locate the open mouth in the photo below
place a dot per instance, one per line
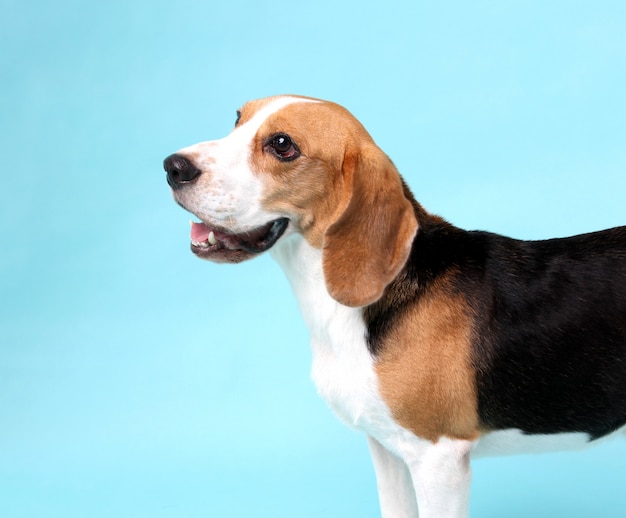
(222, 246)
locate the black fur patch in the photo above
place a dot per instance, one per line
(550, 334)
(549, 322)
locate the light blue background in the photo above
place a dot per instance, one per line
(138, 381)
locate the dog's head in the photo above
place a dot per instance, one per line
(298, 165)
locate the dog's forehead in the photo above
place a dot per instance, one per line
(261, 109)
(307, 119)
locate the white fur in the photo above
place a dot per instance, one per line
(395, 485)
(513, 442)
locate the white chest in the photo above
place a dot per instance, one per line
(343, 369)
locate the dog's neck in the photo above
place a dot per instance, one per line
(342, 367)
(302, 264)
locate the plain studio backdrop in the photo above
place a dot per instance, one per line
(139, 381)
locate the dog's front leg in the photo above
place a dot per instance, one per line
(396, 494)
(441, 476)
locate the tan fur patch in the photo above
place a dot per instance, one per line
(311, 189)
(424, 369)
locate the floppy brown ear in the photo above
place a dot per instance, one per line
(370, 241)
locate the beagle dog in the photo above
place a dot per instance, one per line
(440, 344)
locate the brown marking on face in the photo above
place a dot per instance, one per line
(424, 369)
(343, 194)
(310, 188)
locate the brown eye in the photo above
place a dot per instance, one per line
(283, 147)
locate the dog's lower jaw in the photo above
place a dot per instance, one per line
(228, 247)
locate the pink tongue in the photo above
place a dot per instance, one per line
(199, 232)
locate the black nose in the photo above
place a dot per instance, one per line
(179, 170)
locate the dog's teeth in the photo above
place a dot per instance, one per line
(212, 239)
